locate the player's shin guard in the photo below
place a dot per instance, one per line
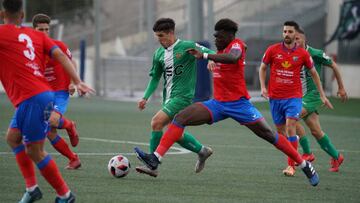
(189, 142)
(305, 144)
(285, 146)
(155, 140)
(62, 147)
(294, 142)
(26, 166)
(173, 134)
(51, 173)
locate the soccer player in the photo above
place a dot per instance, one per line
(22, 52)
(286, 60)
(311, 103)
(60, 82)
(178, 68)
(231, 100)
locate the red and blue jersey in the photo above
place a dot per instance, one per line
(285, 67)
(54, 73)
(22, 57)
(229, 79)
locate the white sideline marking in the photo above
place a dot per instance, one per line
(178, 150)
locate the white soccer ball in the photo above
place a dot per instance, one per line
(119, 166)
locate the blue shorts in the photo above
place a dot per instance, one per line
(281, 109)
(241, 110)
(32, 115)
(61, 101)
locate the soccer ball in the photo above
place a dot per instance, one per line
(119, 166)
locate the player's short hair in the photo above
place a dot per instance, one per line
(300, 30)
(292, 24)
(226, 25)
(40, 18)
(12, 6)
(164, 25)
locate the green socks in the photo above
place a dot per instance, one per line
(189, 142)
(155, 140)
(305, 144)
(328, 147)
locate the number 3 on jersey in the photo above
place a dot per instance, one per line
(30, 52)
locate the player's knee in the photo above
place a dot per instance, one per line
(156, 124)
(54, 121)
(13, 138)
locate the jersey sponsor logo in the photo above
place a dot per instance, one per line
(178, 70)
(178, 55)
(286, 64)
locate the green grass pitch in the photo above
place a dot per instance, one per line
(243, 168)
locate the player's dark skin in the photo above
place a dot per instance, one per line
(197, 114)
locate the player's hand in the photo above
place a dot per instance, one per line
(195, 53)
(83, 89)
(326, 102)
(264, 93)
(142, 104)
(72, 89)
(342, 94)
(211, 66)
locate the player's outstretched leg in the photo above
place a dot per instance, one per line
(31, 196)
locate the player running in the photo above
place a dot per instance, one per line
(178, 68)
(22, 52)
(286, 61)
(231, 100)
(311, 103)
(60, 82)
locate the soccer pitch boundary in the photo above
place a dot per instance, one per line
(179, 151)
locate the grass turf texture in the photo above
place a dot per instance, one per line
(243, 168)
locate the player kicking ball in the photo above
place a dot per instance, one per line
(231, 100)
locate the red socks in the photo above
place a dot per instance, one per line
(61, 146)
(288, 148)
(173, 134)
(51, 173)
(64, 123)
(26, 166)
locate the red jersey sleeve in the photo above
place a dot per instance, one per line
(49, 45)
(267, 56)
(64, 48)
(308, 62)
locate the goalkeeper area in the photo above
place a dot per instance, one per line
(243, 168)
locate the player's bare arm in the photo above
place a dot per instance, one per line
(341, 89)
(262, 77)
(230, 58)
(81, 87)
(316, 78)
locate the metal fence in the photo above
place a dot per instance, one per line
(126, 78)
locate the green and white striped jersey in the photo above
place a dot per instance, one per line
(320, 59)
(178, 69)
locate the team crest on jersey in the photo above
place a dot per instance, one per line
(178, 55)
(295, 58)
(286, 64)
